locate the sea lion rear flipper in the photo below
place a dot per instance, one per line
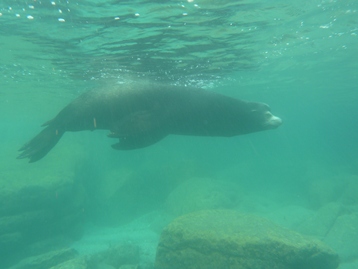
(138, 141)
(41, 144)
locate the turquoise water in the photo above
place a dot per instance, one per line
(300, 57)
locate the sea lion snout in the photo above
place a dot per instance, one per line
(272, 121)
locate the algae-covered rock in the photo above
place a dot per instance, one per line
(226, 239)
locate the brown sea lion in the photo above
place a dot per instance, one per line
(140, 115)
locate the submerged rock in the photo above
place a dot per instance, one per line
(321, 222)
(37, 204)
(46, 260)
(116, 256)
(77, 263)
(227, 239)
(343, 235)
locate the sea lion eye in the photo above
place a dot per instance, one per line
(268, 115)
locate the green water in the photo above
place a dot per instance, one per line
(300, 57)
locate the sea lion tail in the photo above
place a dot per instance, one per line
(41, 144)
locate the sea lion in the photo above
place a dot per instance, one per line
(140, 115)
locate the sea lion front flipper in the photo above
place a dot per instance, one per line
(138, 141)
(138, 130)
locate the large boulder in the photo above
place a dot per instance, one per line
(228, 239)
(37, 204)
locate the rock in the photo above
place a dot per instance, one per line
(199, 194)
(129, 266)
(254, 203)
(24, 222)
(349, 196)
(343, 237)
(290, 216)
(48, 244)
(120, 256)
(102, 266)
(319, 224)
(350, 265)
(226, 239)
(10, 241)
(116, 256)
(34, 190)
(36, 204)
(46, 260)
(78, 263)
(324, 190)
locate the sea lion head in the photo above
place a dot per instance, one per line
(262, 118)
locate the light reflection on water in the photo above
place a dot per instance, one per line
(196, 39)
